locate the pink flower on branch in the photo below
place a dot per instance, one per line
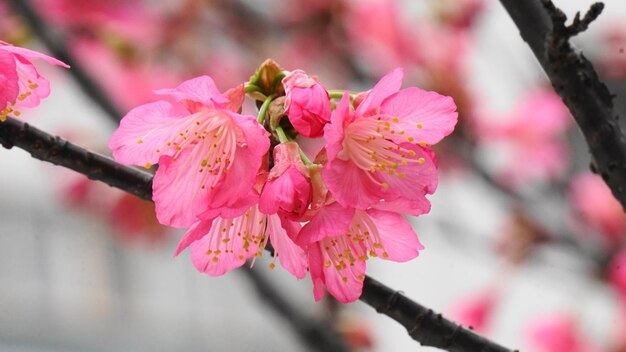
(22, 85)
(223, 244)
(208, 153)
(307, 103)
(340, 240)
(379, 150)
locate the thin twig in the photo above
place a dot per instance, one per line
(542, 26)
(424, 326)
(61, 52)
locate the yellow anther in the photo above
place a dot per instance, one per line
(204, 162)
(139, 141)
(410, 138)
(395, 119)
(412, 153)
(360, 277)
(385, 255)
(385, 185)
(147, 165)
(419, 125)
(272, 266)
(214, 260)
(422, 143)
(421, 161)
(344, 279)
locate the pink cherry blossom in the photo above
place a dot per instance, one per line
(379, 150)
(22, 85)
(208, 154)
(307, 103)
(531, 136)
(594, 203)
(340, 240)
(557, 333)
(223, 244)
(475, 309)
(288, 188)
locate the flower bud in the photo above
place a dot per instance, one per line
(307, 103)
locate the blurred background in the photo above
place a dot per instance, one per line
(523, 243)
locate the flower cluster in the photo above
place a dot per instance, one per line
(327, 216)
(22, 85)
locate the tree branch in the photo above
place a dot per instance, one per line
(424, 325)
(542, 26)
(56, 150)
(61, 52)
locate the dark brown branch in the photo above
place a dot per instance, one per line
(542, 26)
(58, 151)
(424, 326)
(61, 52)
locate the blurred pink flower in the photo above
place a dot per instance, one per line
(130, 18)
(22, 85)
(534, 132)
(129, 217)
(612, 60)
(617, 275)
(595, 205)
(556, 333)
(208, 154)
(340, 240)
(288, 190)
(222, 244)
(112, 72)
(475, 310)
(389, 43)
(379, 150)
(307, 103)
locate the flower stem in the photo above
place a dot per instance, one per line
(282, 136)
(338, 94)
(249, 88)
(263, 110)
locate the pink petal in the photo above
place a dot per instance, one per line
(33, 86)
(290, 192)
(420, 175)
(345, 283)
(236, 97)
(399, 240)
(144, 132)
(331, 220)
(9, 88)
(436, 114)
(335, 130)
(238, 182)
(350, 185)
(228, 243)
(387, 86)
(415, 207)
(31, 54)
(200, 90)
(196, 232)
(177, 188)
(291, 256)
(316, 269)
(255, 136)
